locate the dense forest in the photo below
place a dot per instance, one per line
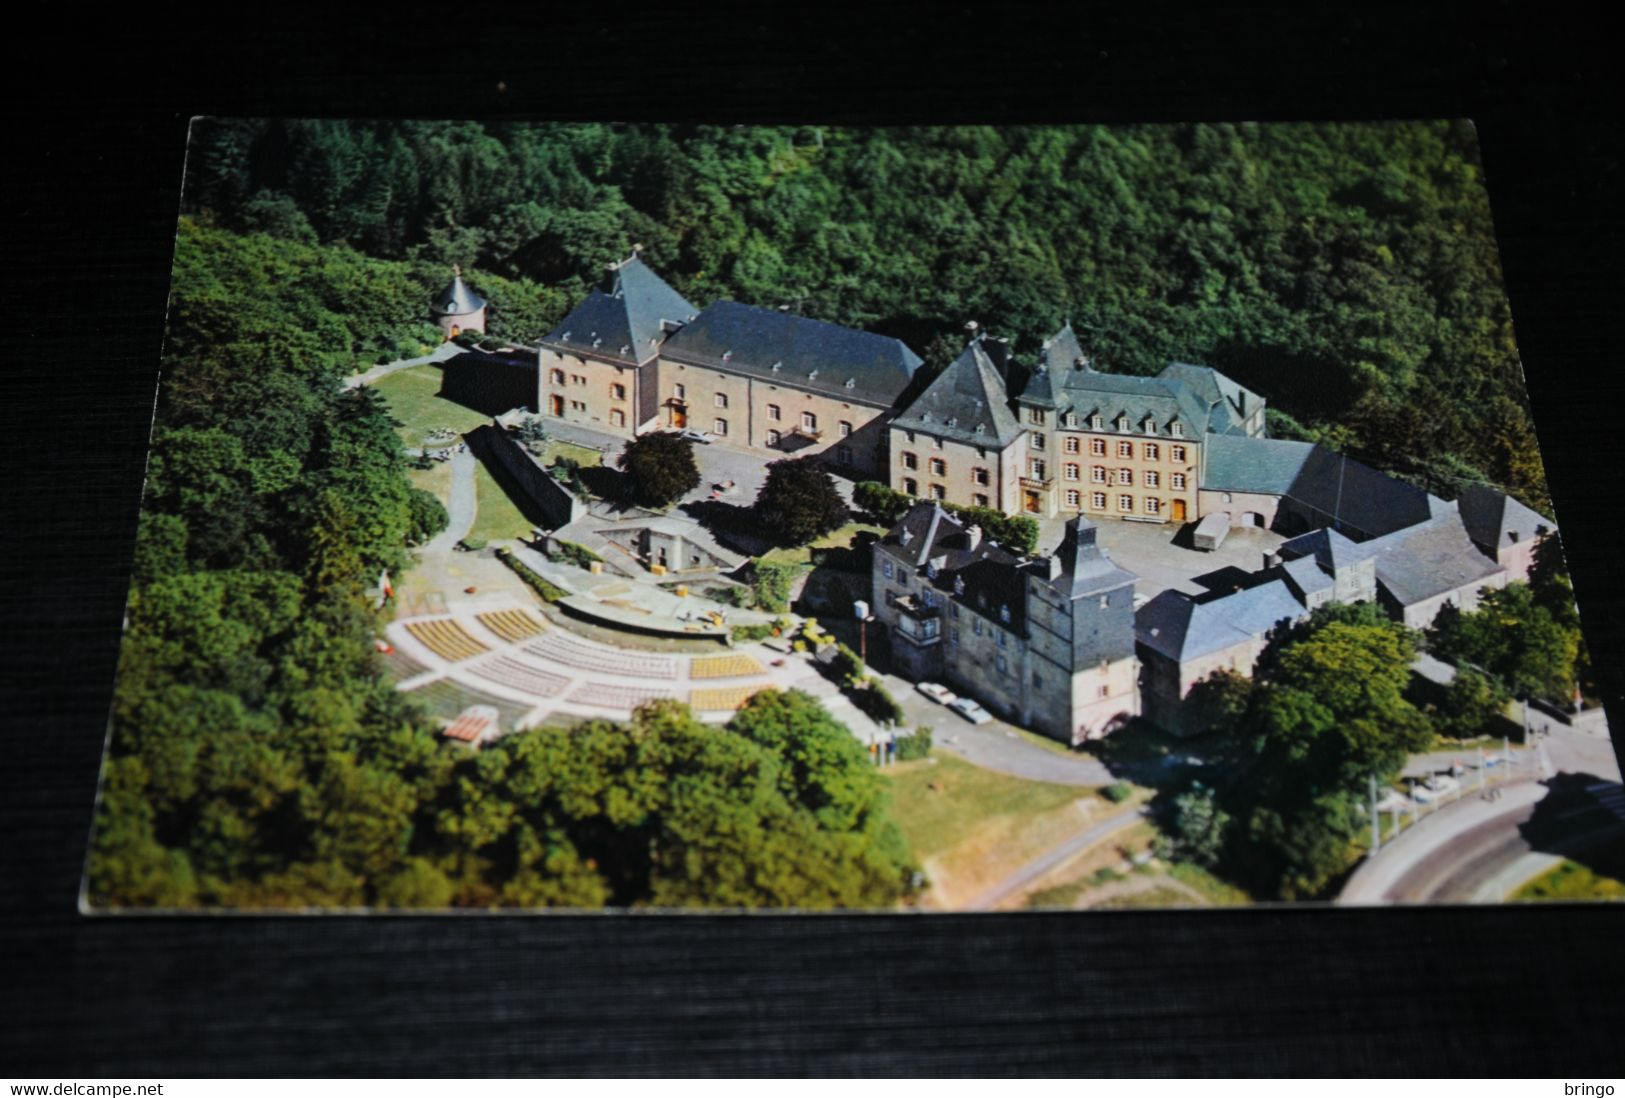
(258, 756)
(1347, 272)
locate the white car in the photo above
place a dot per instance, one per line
(937, 692)
(968, 709)
(1436, 787)
(696, 436)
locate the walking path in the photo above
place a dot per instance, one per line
(1055, 856)
(460, 505)
(439, 354)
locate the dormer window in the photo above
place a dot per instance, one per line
(812, 375)
(959, 585)
(1071, 419)
(1094, 421)
(1150, 426)
(1122, 423)
(851, 383)
(777, 366)
(1177, 429)
(1004, 613)
(727, 356)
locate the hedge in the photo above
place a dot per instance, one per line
(550, 592)
(885, 506)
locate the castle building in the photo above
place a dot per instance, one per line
(1048, 643)
(458, 309)
(640, 358)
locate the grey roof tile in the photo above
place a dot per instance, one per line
(967, 403)
(1495, 520)
(797, 351)
(626, 323)
(1183, 628)
(456, 298)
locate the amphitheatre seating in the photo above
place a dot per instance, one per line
(562, 648)
(724, 698)
(732, 666)
(446, 699)
(446, 639)
(511, 625)
(615, 696)
(509, 671)
(400, 665)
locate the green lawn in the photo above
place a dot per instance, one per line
(1571, 881)
(414, 399)
(835, 539)
(936, 820)
(496, 517)
(582, 455)
(1217, 892)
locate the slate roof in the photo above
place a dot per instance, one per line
(1086, 568)
(1326, 547)
(628, 322)
(456, 299)
(992, 577)
(966, 403)
(1087, 392)
(1183, 628)
(1429, 559)
(844, 363)
(1352, 493)
(1061, 351)
(1495, 520)
(1307, 575)
(1238, 463)
(1229, 404)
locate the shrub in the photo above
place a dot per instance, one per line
(914, 746)
(570, 552)
(473, 544)
(741, 633)
(876, 702)
(1118, 792)
(428, 516)
(885, 506)
(881, 503)
(659, 468)
(550, 592)
(771, 589)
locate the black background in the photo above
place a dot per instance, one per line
(97, 119)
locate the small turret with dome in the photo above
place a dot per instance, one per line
(457, 308)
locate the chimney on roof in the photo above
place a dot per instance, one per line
(1053, 566)
(973, 536)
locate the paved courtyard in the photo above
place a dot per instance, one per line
(1149, 551)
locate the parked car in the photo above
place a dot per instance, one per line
(1436, 787)
(968, 709)
(696, 436)
(937, 693)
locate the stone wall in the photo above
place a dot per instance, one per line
(555, 503)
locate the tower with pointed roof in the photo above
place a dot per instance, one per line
(457, 308)
(597, 367)
(1046, 642)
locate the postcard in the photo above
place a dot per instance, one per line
(678, 518)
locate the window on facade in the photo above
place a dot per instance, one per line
(773, 438)
(617, 392)
(721, 426)
(557, 377)
(1038, 440)
(937, 492)
(720, 400)
(1125, 503)
(1125, 449)
(938, 467)
(1003, 666)
(1125, 476)
(1004, 615)
(678, 392)
(1071, 470)
(1177, 453)
(1097, 474)
(1071, 444)
(1072, 498)
(911, 486)
(936, 444)
(909, 460)
(774, 412)
(1151, 478)
(909, 435)
(886, 568)
(1153, 506)
(809, 422)
(1104, 690)
(1177, 480)
(579, 379)
(1152, 451)
(845, 429)
(844, 455)
(981, 500)
(1035, 415)
(578, 406)
(617, 418)
(1097, 500)
(979, 475)
(1097, 447)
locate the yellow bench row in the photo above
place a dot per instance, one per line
(446, 639)
(723, 698)
(511, 625)
(730, 666)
